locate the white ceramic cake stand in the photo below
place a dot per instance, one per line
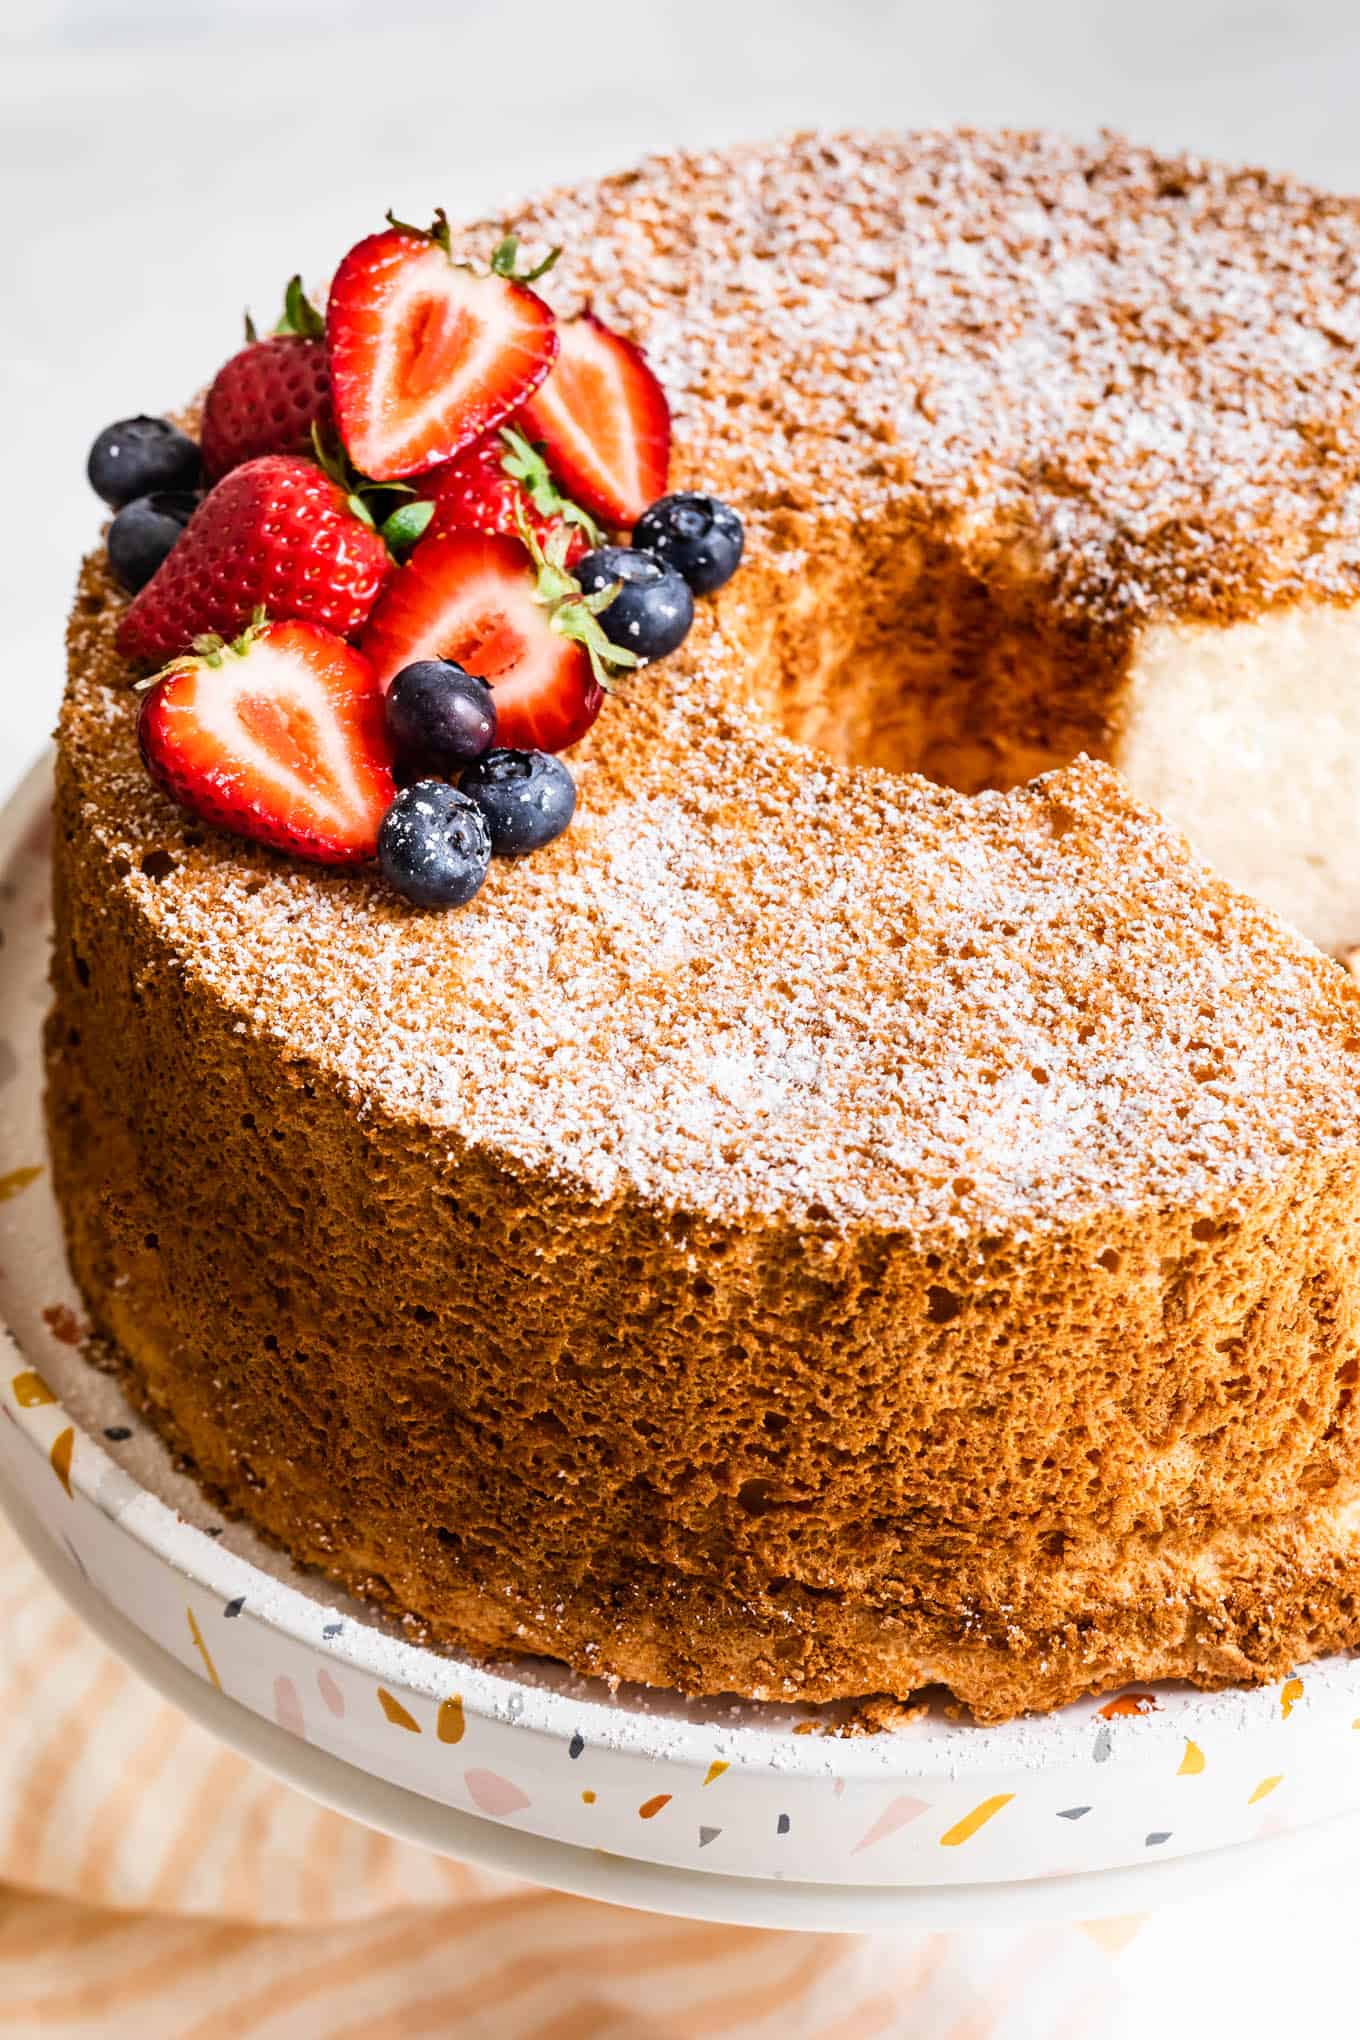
(720, 1810)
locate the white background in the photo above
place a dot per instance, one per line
(162, 165)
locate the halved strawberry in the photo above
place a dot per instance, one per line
(279, 736)
(276, 533)
(498, 482)
(604, 422)
(523, 625)
(272, 396)
(426, 354)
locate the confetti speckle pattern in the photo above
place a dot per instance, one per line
(491, 1793)
(894, 1816)
(288, 1707)
(399, 1716)
(964, 1830)
(1128, 1704)
(201, 1647)
(449, 1724)
(31, 1391)
(63, 1446)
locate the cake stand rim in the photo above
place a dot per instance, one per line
(673, 1890)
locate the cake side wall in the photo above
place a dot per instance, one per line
(761, 1460)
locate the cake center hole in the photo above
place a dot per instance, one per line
(891, 650)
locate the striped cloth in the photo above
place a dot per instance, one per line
(159, 1887)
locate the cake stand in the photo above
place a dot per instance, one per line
(717, 1809)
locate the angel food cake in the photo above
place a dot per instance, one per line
(796, 1179)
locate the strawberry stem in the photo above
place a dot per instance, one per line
(505, 256)
(572, 613)
(438, 230)
(524, 463)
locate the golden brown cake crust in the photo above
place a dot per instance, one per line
(810, 1231)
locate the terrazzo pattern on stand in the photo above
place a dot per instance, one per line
(758, 1818)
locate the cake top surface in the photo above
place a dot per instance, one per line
(1141, 369)
(750, 981)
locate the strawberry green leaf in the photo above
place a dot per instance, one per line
(252, 331)
(300, 315)
(405, 525)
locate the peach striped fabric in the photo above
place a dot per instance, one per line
(156, 1884)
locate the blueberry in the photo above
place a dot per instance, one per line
(439, 715)
(138, 457)
(433, 845)
(700, 536)
(654, 607)
(143, 532)
(526, 798)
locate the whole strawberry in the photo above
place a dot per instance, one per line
(496, 483)
(275, 534)
(273, 395)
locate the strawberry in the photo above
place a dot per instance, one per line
(276, 533)
(273, 395)
(520, 622)
(499, 481)
(279, 736)
(427, 354)
(603, 421)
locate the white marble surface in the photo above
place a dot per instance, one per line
(162, 164)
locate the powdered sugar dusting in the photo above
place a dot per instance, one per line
(1145, 366)
(750, 982)
(837, 993)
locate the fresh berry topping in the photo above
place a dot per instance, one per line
(699, 536)
(654, 607)
(499, 482)
(434, 845)
(143, 532)
(521, 623)
(273, 395)
(603, 420)
(526, 798)
(278, 737)
(139, 457)
(275, 534)
(426, 354)
(439, 716)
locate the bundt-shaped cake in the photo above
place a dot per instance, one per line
(868, 1208)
